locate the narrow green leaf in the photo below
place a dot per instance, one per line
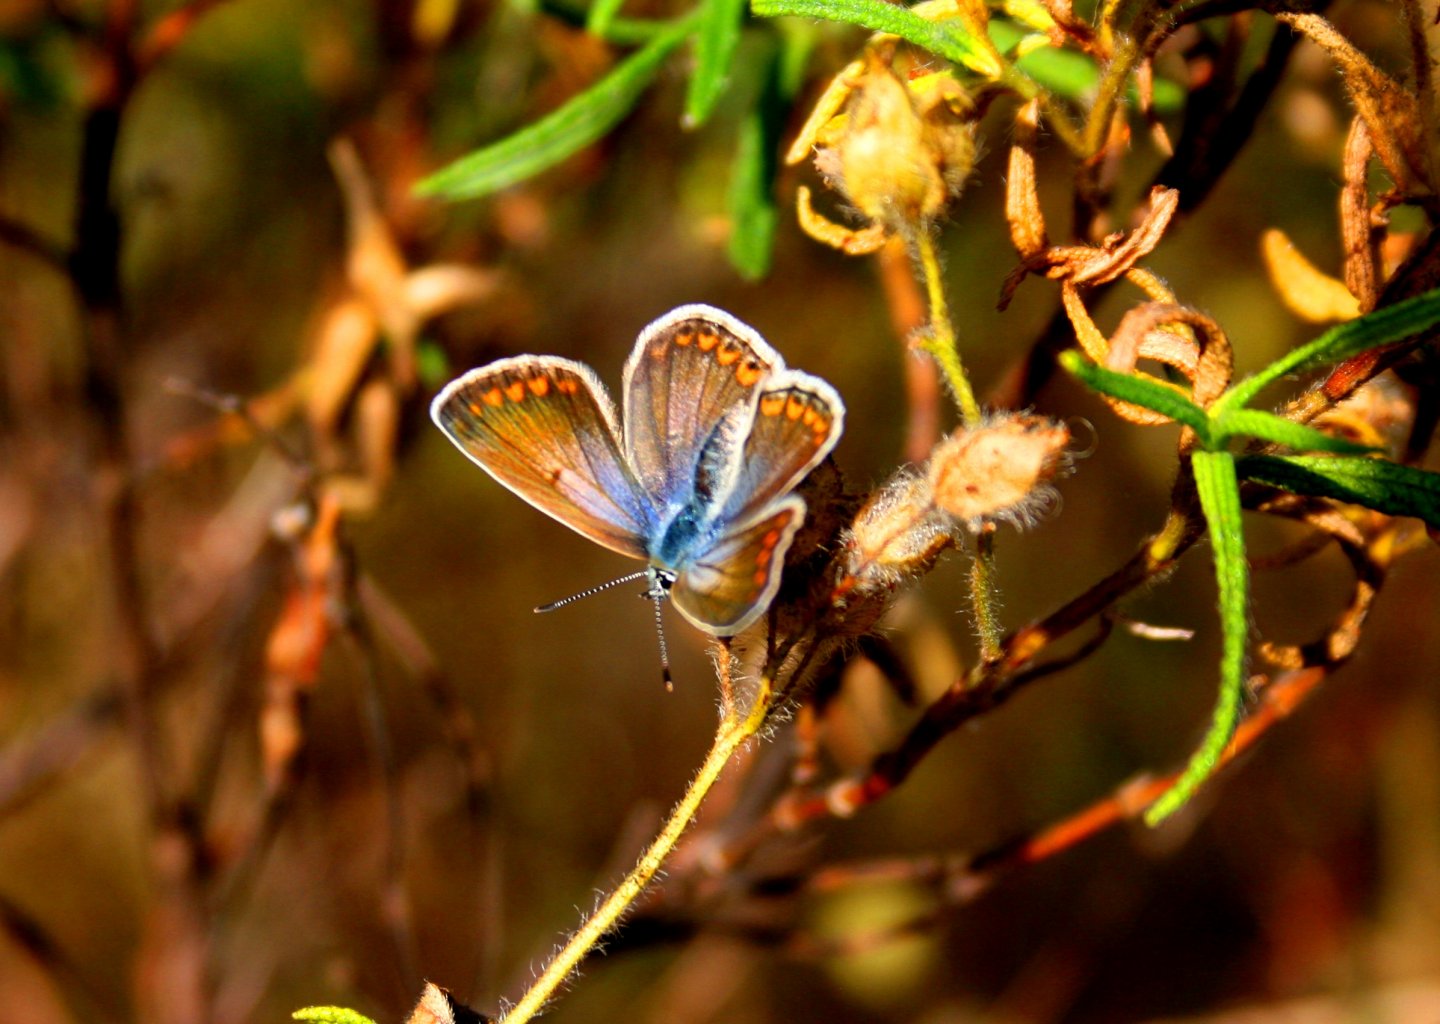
(946, 38)
(1269, 427)
(717, 37)
(1385, 486)
(331, 1015)
(797, 42)
(1219, 491)
(560, 133)
(1382, 327)
(601, 16)
(1151, 394)
(619, 31)
(1072, 74)
(754, 214)
(432, 364)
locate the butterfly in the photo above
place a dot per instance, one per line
(718, 432)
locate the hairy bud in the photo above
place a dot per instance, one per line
(1000, 470)
(897, 534)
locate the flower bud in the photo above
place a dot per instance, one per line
(898, 534)
(905, 149)
(999, 470)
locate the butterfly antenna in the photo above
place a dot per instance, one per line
(591, 592)
(657, 595)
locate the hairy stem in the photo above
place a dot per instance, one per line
(729, 737)
(940, 340)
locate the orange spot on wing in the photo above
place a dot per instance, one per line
(810, 416)
(685, 337)
(708, 340)
(760, 579)
(493, 397)
(794, 407)
(748, 373)
(771, 539)
(539, 386)
(474, 407)
(771, 405)
(515, 390)
(567, 386)
(728, 354)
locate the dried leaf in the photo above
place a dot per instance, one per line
(440, 287)
(851, 241)
(347, 338)
(1304, 288)
(1022, 198)
(1362, 272)
(1389, 110)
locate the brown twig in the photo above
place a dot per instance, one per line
(922, 378)
(60, 746)
(73, 982)
(27, 239)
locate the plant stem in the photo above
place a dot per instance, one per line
(940, 341)
(733, 731)
(983, 594)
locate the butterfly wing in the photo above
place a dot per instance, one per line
(729, 585)
(798, 420)
(545, 428)
(694, 374)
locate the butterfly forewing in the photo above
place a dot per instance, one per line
(692, 370)
(797, 421)
(545, 428)
(727, 586)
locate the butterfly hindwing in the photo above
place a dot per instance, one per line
(693, 372)
(798, 420)
(545, 428)
(727, 586)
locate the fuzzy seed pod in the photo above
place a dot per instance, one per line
(1000, 470)
(905, 149)
(897, 535)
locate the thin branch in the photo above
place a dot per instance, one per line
(28, 240)
(28, 769)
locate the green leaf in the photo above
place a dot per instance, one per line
(1219, 491)
(1073, 74)
(716, 39)
(1152, 394)
(601, 16)
(946, 38)
(331, 1015)
(618, 30)
(432, 364)
(1277, 429)
(754, 214)
(1385, 486)
(581, 121)
(1382, 327)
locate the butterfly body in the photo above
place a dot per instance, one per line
(717, 434)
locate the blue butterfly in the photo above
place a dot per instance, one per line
(718, 433)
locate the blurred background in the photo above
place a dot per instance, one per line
(331, 806)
